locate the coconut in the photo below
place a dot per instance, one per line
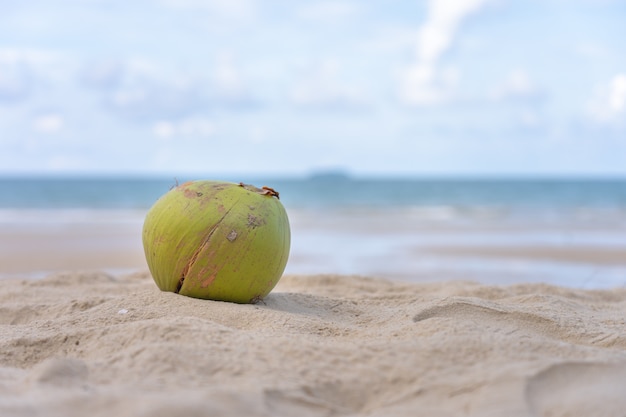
(217, 240)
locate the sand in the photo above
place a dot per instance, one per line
(588, 255)
(91, 343)
(36, 244)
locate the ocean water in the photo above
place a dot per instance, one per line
(383, 227)
(329, 191)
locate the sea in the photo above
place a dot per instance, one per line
(410, 229)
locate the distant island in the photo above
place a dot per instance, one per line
(329, 175)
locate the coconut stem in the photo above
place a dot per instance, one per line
(265, 190)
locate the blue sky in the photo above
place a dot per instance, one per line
(210, 87)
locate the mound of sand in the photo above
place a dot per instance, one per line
(77, 344)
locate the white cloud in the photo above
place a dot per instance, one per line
(191, 127)
(227, 77)
(257, 134)
(31, 64)
(422, 82)
(48, 123)
(14, 75)
(608, 105)
(324, 89)
(28, 55)
(146, 92)
(12, 86)
(593, 50)
(392, 39)
(25, 73)
(222, 9)
(617, 93)
(105, 74)
(163, 129)
(196, 126)
(328, 11)
(149, 100)
(517, 86)
(530, 119)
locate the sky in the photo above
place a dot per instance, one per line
(376, 88)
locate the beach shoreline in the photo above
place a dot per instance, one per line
(405, 247)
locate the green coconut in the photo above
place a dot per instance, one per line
(217, 240)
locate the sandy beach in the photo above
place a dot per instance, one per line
(85, 343)
(85, 331)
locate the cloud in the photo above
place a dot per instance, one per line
(617, 94)
(14, 77)
(24, 71)
(593, 50)
(152, 101)
(135, 90)
(193, 127)
(228, 84)
(518, 86)
(13, 87)
(325, 90)
(26, 55)
(230, 10)
(105, 74)
(423, 82)
(143, 92)
(164, 129)
(48, 123)
(328, 11)
(38, 63)
(608, 105)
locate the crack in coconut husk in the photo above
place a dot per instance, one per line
(201, 246)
